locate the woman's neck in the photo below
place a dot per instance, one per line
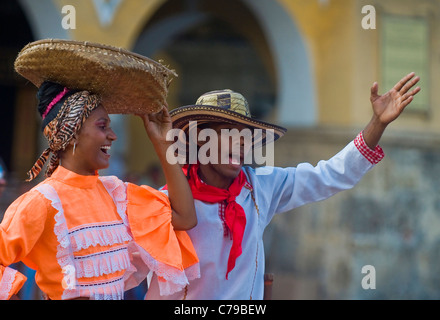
(72, 165)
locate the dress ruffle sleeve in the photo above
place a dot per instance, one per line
(11, 282)
(168, 253)
(20, 228)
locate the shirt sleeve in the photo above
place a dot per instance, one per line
(22, 225)
(373, 155)
(296, 186)
(11, 282)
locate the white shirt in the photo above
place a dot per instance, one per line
(282, 190)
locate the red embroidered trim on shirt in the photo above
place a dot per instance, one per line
(374, 156)
(221, 213)
(247, 185)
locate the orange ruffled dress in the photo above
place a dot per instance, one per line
(91, 236)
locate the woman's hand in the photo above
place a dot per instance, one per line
(157, 124)
(183, 216)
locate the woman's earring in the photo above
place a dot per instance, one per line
(74, 147)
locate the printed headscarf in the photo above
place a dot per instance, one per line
(61, 130)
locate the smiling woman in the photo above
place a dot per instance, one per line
(91, 236)
(63, 112)
(88, 150)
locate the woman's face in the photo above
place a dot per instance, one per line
(93, 143)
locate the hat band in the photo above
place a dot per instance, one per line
(55, 101)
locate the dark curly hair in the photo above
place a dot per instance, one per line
(45, 95)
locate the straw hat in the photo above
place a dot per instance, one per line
(222, 106)
(127, 82)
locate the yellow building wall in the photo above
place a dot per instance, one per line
(346, 59)
(325, 27)
(128, 22)
(125, 28)
(368, 45)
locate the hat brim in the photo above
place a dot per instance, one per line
(202, 114)
(128, 83)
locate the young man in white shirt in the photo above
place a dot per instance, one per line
(235, 203)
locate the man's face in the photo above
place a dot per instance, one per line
(232, 149)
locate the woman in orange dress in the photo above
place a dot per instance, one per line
(89, 236)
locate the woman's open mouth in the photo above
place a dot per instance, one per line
(106, 149)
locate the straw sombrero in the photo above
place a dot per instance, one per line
(127, 82)
(223, 106)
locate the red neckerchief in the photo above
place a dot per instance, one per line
(235, 217)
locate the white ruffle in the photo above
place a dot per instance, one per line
(103, 291)
(108, 262)
(193, 272)
(175, 279)
(99, 234)
(118, 191)
(64, 249)
(142, 262)
(169, 287)
(6, 282)
(83, 239)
